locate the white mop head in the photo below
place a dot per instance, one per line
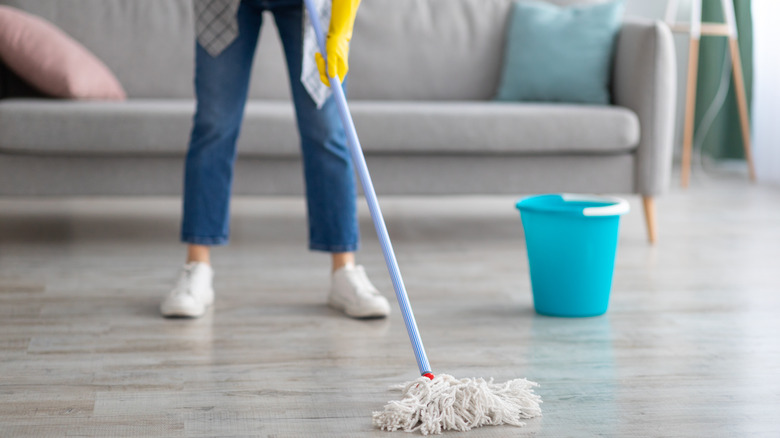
(445, 402)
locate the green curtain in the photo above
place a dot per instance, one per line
(724, 137)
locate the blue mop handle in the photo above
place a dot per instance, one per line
(373, 204)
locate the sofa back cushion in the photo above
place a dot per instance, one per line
(428, 49)
(402, 49)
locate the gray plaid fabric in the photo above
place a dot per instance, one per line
(216, 27)
(215, 24)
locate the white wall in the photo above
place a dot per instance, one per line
(646, 8)
(766, 95)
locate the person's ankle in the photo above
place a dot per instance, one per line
(340, 260)
(198, 254)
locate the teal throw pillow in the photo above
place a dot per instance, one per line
(560, 54)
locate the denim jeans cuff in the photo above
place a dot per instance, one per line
(204, 240)
(352, 247)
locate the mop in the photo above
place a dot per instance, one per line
(430, 404)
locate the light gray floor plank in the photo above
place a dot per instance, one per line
(689, 346)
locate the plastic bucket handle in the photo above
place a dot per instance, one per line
(619, 206)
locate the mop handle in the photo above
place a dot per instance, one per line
(373, 204)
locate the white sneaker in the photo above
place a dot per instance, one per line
(352, 293)
(193, 293)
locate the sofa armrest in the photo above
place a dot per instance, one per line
(645, 81)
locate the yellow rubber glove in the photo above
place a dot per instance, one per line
(342, 20)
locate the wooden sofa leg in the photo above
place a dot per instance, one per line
(652, 226)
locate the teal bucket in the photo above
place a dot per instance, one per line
(571, 241)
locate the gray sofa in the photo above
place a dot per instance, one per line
(423, 75)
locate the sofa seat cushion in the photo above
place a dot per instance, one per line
(494, 127)
(161, 127)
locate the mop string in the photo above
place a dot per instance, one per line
(373, 205)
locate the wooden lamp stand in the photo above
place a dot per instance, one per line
(695, 29)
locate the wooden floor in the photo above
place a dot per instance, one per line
(689, 347)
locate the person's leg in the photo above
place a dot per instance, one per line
(330, 182)
(329, 175)
(221, 86)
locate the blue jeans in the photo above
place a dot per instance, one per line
(221, 86)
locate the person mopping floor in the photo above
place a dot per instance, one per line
(227, 35)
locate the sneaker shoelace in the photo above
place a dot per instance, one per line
(185, 280)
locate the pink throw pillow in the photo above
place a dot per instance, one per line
(51, 61)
